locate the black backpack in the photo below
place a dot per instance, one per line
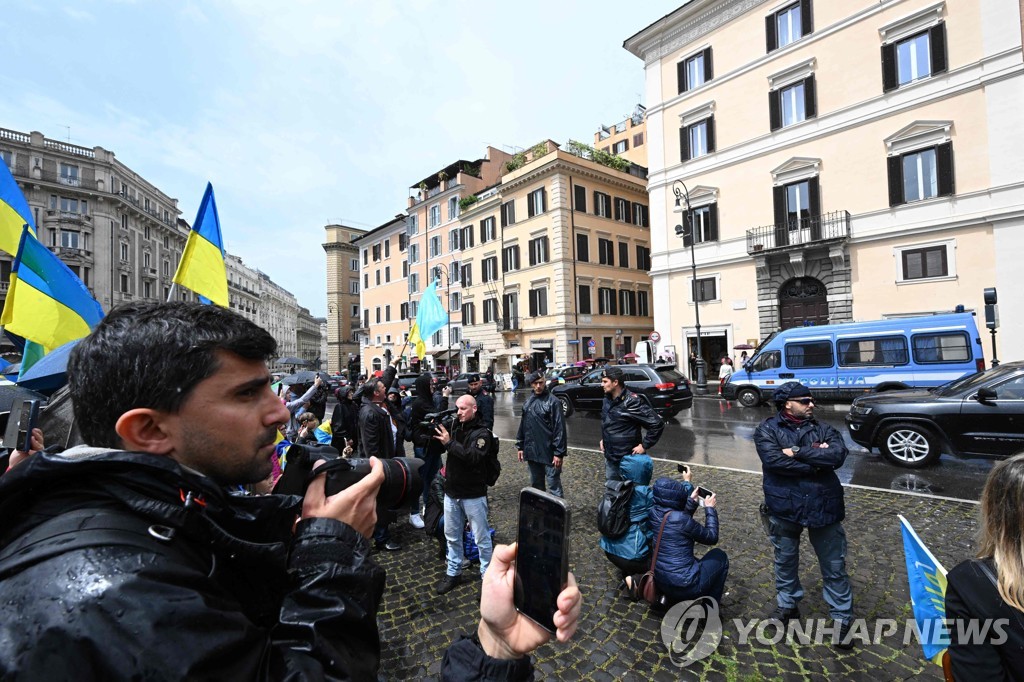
(613, 510)
(492, 467)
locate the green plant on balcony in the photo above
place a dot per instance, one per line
(516, 162)
(538, 150)
(470, 169)
(596, 155)
(442, 176)
(466, 202)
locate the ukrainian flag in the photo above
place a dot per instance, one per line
(432, 315)
(416, 341)
(201, 268)
(14, 212)
(46, 302)
(927, 579)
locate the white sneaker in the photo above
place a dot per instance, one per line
(415, 520)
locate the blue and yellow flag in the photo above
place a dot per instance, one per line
(46, 302)
(431, 316)
(201, 268)
(416, 341)
(927, 580)
(14, 212)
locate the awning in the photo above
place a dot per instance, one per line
(443, 354)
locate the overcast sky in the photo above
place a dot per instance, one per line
(326, 111)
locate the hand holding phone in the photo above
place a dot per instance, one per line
(542, 565)
(20, 423)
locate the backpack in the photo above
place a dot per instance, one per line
(613, 510)
(492, 467)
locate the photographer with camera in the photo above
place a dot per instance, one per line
(424, 445)
(470, 446)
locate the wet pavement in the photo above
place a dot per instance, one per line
(621, 640)
(720, 433)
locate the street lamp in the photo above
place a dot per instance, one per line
(441, 267)
(683, 199)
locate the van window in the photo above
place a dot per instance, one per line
(883, 350)
(809, 354)
(765, 361)
(941, 347)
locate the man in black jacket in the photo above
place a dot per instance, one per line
(484, 400)
(469, 445)
(624, 417)
(133, 544)
(423, 443)
(541, 437)
(378, 432)
(799, 456)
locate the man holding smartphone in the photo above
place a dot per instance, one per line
(541, 439)
(625, 417)
(799, 456)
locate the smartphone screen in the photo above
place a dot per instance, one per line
(20, 423)
(703, 492)
(542, 558)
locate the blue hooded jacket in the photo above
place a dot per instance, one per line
(636, 542)
(677, 565)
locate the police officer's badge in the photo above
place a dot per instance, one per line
(481, 443)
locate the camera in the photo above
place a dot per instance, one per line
(401, 485)
(434, 419)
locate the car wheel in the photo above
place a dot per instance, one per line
(567, 408)
(909, 445)
(749, 397)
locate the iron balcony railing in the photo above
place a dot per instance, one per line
(509, 324)
(799, 231)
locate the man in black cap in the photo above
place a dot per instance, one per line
(799, 456)
(541, 437)
(624, 415)
(484, 401)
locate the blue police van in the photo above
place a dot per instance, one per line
(842, 361)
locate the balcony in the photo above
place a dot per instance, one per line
(509, 324)
(68, 217)
(70, 251)
(149, 273)
(821, 229)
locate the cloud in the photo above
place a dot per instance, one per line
(79, 14)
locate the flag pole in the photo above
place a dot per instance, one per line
(170, 292)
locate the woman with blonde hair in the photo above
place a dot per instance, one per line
(990, 589)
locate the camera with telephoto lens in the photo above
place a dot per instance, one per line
(401, 485)
(434, 419)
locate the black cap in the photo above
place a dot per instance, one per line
(791, 390)
(533, 376)
(613, 373)
(473, 378)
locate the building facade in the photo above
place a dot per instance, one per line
(627, 138)
(840, 161)
(343, 309)
(243, 288)
(307, 338)
(279, 315)
(384, 299)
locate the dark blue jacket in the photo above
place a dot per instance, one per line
(623, 421)
(676, 564)
(541, 434)
(635, 544)
(802, 489)
(485, 407)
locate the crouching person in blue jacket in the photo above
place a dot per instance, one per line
(679, 574)
(631, 551)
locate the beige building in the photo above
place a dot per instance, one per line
(307, 338)
(120, 234)
(627, 138)
(842, 161)
(384, 293)
(279, 315)
(343, 310)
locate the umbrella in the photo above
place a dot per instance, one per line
(50, 372)
(12, 370)
(743, 346)
(12, 393)
(581, 363)
(292, 361)
(551, 364)
(304, 376)
(630, 355)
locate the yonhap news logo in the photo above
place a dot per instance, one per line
(691, 630)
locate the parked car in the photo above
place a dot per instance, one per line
(667, 391)
(978, 415)
(407, 381)
(564, 375)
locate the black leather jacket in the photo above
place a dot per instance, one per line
(465, 468)
(623, 421)
(804, 488)
(234, 594)
(541, 433)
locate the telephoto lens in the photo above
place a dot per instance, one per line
(401, 485)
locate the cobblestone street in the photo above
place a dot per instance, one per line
(620, 640)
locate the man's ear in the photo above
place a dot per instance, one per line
(145, 430)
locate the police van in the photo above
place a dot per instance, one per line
(842, 361)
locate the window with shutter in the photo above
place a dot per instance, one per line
(583, 300)
(580, 198)
(582, 248)
(623, 255)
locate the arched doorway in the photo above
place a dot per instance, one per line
(802, 302)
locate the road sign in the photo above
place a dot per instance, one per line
(593, 351)
(591, 343)
(655, 337)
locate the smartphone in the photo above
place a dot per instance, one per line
(704, 492)
(682, 468)
(542, 556)
(20, 423)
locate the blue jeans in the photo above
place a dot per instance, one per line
(713, 569)
(830, 545)
(431, 465)
(539, 472)
(455, 514)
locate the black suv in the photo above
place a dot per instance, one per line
(667, 391)
(407, 382)
(980, 414)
